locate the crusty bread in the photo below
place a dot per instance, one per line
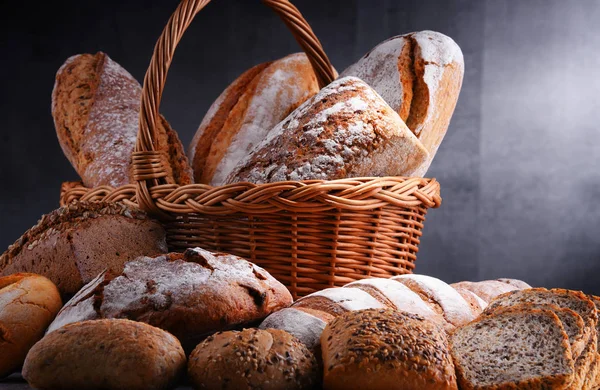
(420, 75)
(303, 323)
(73, 244)
(28, 304)
(513, 349)
(487, 289)
(346, 130)
(268, 359)
(477, 304)
(190, 295)
(595, 383)
(107, 354)
(386, 349)
(95, 105)
(246, 111)
(519, 284)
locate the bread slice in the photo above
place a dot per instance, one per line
(513, 349)
(596, 381)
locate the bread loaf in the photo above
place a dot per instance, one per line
(268, 359)
(595, 382)
(28, 303)
(419, 75)
(346, 130)
(73, 244)
(246, 111)
(96, 105)
(487, 290)
(191, 295)
(107, 354)
(385, 349)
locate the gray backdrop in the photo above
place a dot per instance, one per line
(517, 167)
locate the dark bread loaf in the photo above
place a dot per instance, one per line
(268, 359)
(386, 349)
(96, 105)
(105, 354)
(73, 244)
(191, 295)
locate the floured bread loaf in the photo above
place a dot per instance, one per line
(96, 106)
(246, 111)
(419, 75)
(346, 130)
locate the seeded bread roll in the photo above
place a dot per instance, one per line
(419, 75)
(73, 244)
(107, 354)
(96, 106)
(268, 359)
(513, 349)
(386, 349)
(191, 295)
(28, 304)
(246, 111)
(346, 130)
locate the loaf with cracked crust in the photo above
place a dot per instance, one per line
(386, 349)
(28, 304)
(96, 106)
(73, 244)
(191, 295)
(346, 130)
(419, 75)
(105, 354)
(246, 112)
(268, 359)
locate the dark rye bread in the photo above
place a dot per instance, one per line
(513, 349)
(191, 295)
(73, 244)
(386, 349)
(95, 105)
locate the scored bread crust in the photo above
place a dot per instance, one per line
(95, 106)
(28, 304)
(487, 289)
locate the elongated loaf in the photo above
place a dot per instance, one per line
(246, 111)
(96, 106)
(419, 75)
(346, 130)
(190, 295)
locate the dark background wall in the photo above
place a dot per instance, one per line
(518, 166)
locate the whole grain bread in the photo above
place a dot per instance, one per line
(386, 349)
(73, 244)
(191, 295)
(105, 354)
(95, 106)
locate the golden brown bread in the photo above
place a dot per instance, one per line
(245, 113)
(95, 105)
(105, 354)
(28, 304)
(268, 359)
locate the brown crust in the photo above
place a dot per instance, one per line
(382, 348)
(116, 354)
(181, 170)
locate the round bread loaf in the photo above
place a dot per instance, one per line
(28, 304)
(268, 359)
(386, 349)
(73, 244)
(105, 354)
(96, 107)
(246, 111)
(191, 295)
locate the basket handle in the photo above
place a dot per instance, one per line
(148, 164)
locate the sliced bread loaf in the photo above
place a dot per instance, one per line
(513, 349)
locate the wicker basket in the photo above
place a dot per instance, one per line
(308, 234)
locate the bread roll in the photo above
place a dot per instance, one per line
(96, 105)
(246, 111)
(386, 349)
(268, 359)
(346, 130)
(419, 75)
(28, 303)
(191, 295)
(107, 354)
(73, 244)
